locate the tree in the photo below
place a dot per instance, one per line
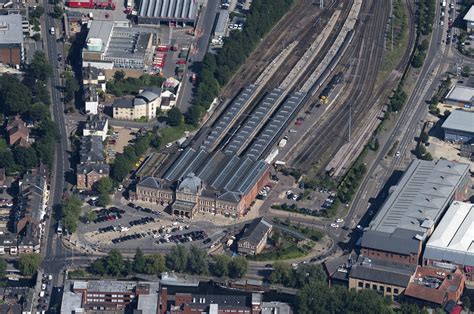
(139, 261)
(221, 265)
(97, 267)
(37, 12)
(90, 216)
(70, 210)
(38, 112)
(120, 168)
(104, 187)
(14, 96)
(175, 117)
(70, 87)
(466, 71)
(282, 273)
(418, 59)
(466, 303)
(114, 263)
(3, 267)
(197, 261)
(238, 267)
(119, 76)
(177, 259)
(424, 137)
(40, 68)
(29, 263)
(155, 264)
(36, 37)
(57, 12)
(25, 157)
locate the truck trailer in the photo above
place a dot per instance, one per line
(91, 4)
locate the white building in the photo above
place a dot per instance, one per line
(96, 125)
(469, 18)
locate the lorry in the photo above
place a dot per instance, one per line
(91, 4)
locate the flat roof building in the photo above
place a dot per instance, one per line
(413, 208)
(452, 242)
(459, 126)
(221, 24)
(461, 96)
(469, 18)
(11, 39)
(116, 44)
(167, 11)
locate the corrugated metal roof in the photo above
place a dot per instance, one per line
(169, 9)
(423, 193)
(460, 120)
(453, 239)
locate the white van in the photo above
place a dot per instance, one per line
(52, 31)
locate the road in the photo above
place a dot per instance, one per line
(203, 34)
(54, 248)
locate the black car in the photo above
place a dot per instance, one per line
(269, 266)
(131, 205)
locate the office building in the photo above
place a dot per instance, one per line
(11, 39)
(254, 237)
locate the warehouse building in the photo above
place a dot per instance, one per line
(460, 96)
(168, 11)
(222, 24)
(11, 39)
(451, 244)
(459, 126)
(392, 244)
(116, 44)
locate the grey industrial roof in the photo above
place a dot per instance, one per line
(232, 111)
(401, 240)
(221, 24)
(118, 286)
(169, 10)
(92, 149)
(150, 93)
(461, 93)
(11, 30)
(453, 239)
(100, 29)
(380, 273)
(460, 120)
(423, 193)
(256, 230)
(275, 126)
(127, 43)
(254, 121)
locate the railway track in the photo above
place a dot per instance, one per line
(324, 141)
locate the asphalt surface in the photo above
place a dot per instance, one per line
(54, 248)
(204, 28)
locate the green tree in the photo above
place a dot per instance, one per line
(424, 137)
(40, 68)
(90, 216)
(466, 303)
(114, 263)
(175, 117)
(418, 59)
(197, 261)
(38, 112)
(177, 259)
(155, 264)
(238, 267)
(139, 261)
(411, 308)
(119, 76)
(71, 87)
(120, 168)
(97, 267)
(57, 12)
(70, 210)
(282, 273)
(466, 71)
(25, 157)
(14, 96)
(221, 266)
(104, 187)
(3, 268)
(28, 263)
(37, 12)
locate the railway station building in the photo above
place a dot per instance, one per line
(459, 126)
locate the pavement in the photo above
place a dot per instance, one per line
(203, 30)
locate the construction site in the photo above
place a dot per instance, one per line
(307, 91)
